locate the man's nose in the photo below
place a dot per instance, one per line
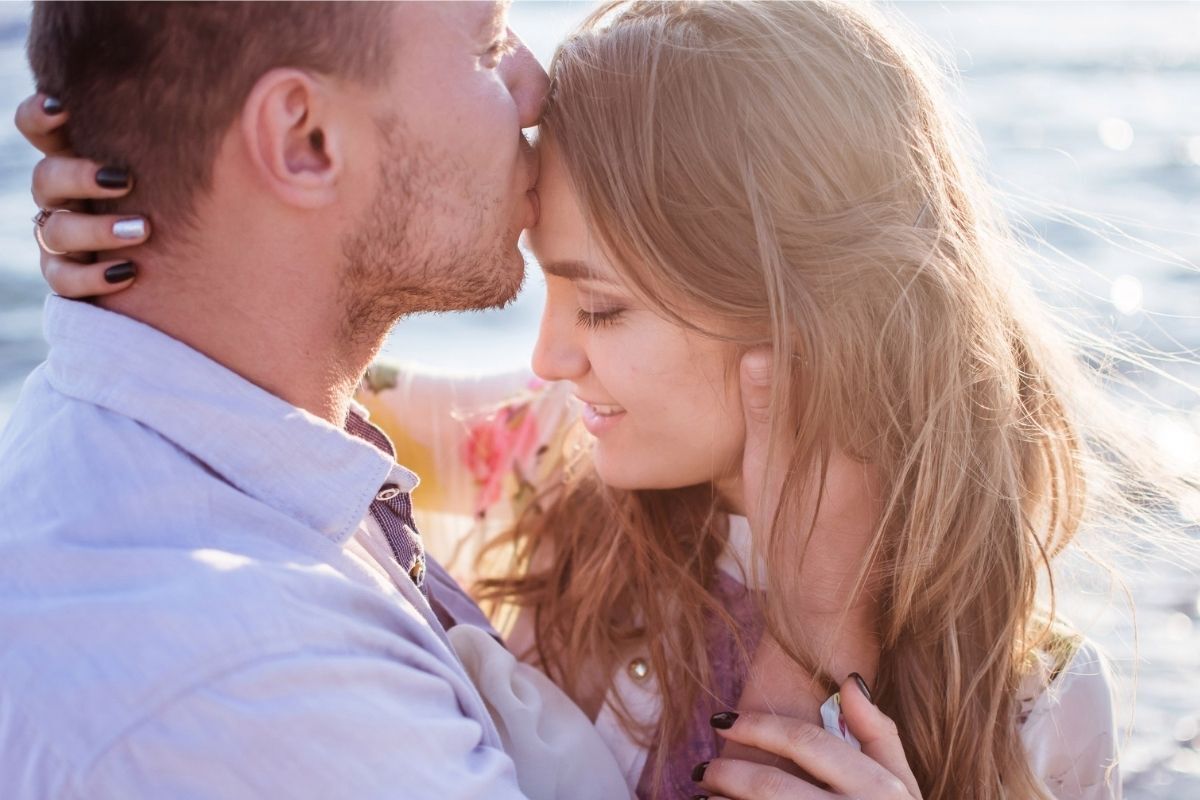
(527, 82)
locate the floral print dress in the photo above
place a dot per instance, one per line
(483, 447)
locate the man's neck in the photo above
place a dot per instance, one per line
(279, 329)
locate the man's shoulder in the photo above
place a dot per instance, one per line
(58, 446)
(133, 574)
(76, 473)
(118, 632)
(111, 528)
(136, 599)
(129, 572)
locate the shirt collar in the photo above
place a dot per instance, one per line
(277, 453)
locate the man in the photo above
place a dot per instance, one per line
(209, 581)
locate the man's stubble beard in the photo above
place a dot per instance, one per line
(394, 263)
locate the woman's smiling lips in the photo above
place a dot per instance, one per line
(600, 417)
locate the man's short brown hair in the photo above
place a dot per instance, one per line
(153, 87)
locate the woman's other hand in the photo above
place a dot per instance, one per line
(74, 244)
(879, 771)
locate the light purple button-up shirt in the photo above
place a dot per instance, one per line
(180, 616)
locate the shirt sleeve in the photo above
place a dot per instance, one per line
(559, 754)
(1070, 731)
(353, 727)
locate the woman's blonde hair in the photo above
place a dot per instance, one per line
(793, 169)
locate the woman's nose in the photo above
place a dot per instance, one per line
(558, 354)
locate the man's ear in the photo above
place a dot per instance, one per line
(285, 128)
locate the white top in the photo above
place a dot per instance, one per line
(1069, 728)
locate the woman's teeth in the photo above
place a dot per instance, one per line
(606, 411)
(601, 418)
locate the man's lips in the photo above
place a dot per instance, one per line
(529, 154)
(535, 203)
(533, 169)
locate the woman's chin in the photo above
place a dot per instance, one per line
(630, 475)
(612, 475)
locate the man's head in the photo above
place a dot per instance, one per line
(383, 137)
(457, 177)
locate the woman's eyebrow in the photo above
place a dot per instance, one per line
(575, 271)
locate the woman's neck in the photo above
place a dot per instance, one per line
(831, 619)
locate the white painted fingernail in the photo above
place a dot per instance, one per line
(129, 228)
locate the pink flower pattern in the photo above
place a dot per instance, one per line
(497, 445)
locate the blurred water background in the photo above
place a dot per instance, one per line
(1089, 114)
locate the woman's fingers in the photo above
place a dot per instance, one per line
(76, 280)
(40, 120)
(87, 233)
(745, 780)
(875, 731)
(839, 765)
(62, 180)
(59, 180)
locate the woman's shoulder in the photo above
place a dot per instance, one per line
(1068, 720)
(515, 447)
(486, 447)
(1069, 672)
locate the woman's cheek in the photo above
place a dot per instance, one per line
(617, 360)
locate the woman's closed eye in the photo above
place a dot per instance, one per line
(600, 318)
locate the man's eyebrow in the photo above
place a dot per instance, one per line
(574, 271)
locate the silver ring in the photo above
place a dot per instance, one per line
(39, 222)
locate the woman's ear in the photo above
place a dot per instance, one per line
(287, 131)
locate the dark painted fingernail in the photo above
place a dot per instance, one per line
(119, 273)
(112, 178)
(862, 686)
(698, 771)
(52, 105)
(723, 720)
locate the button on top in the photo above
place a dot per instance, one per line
(417, 572)
(639, 669)
(388, 492)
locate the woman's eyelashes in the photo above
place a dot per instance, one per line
(597, 319)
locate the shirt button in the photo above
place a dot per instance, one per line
(639, 669)
(388, 493)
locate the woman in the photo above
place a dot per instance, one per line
(783, 178)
